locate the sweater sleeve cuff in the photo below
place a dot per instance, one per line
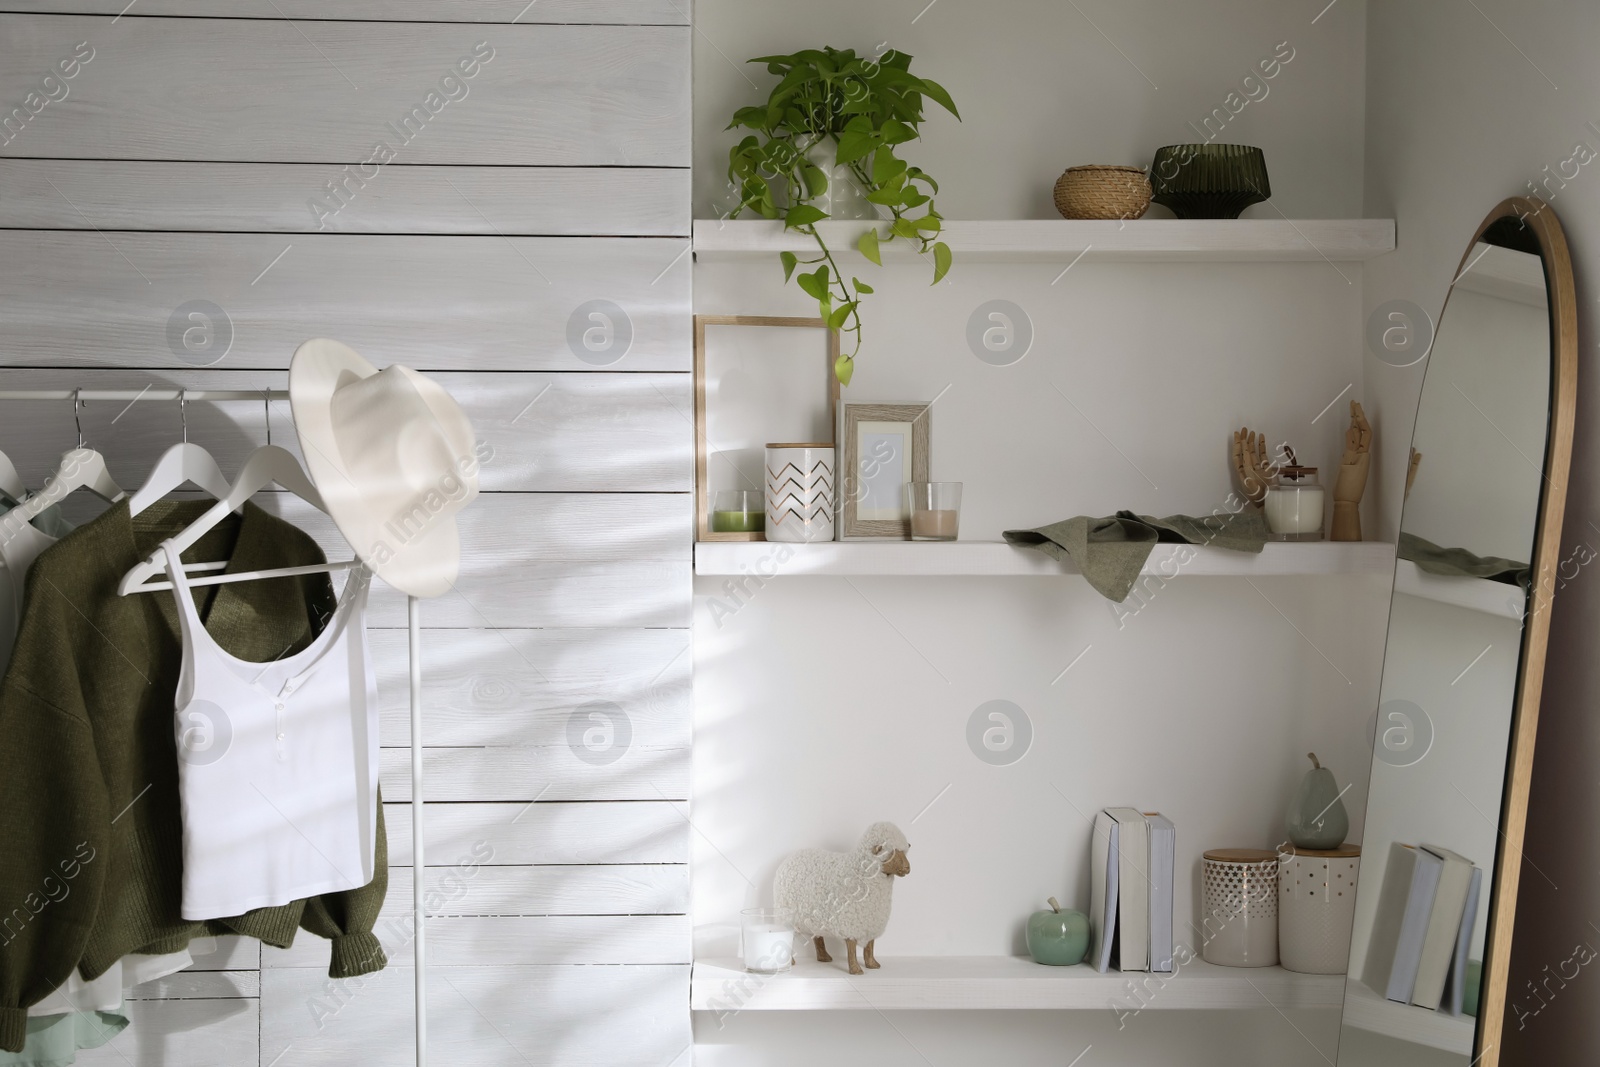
(13, 1028)
(356, 954)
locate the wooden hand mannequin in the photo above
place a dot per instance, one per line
(1251, 464)
(1352, 481)
(1411, 470)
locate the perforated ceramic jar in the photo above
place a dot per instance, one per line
(1317, 907)
(1240, 915)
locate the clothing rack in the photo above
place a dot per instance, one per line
(144, 394)
(413, 624)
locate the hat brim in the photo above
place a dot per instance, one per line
(424, 564)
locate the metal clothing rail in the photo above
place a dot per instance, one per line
(144, 394)
(413, 624)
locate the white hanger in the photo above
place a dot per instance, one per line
(11, 481)
(180, 464)
(265, 466)
(81, 468)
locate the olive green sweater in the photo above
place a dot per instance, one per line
(90, 841)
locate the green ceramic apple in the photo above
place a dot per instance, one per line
(1317, 818)
(1058, 938)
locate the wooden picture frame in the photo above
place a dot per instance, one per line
(858, 519)
(702, 484)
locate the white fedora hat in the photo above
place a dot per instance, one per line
(392, 455)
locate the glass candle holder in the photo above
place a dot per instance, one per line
(768, 939)
(738, 511)
(935, 510)
(1294, 505)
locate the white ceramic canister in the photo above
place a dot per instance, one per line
(1240, 916)
(800, 484)
(1317, 907)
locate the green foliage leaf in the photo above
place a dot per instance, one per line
(803, 215)
(896, 132)
(886, 168)
(840, 315)
(843, 368)
(861, 286)
(941, 261)
(854, 145)
(868, 246)
(929, 223)
(936, 92)
(903, 228)
(814, 284)
(789, 259)
(816, 181)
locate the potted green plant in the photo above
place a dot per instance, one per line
(860, 109)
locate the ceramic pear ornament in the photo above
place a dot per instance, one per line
(1317, 818)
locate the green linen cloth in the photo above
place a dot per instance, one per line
(54, 1040)
(1111, 551)
(1459, 563)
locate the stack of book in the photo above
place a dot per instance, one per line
(1423, 927)
(1131, 890)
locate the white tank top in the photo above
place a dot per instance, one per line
(277, 763)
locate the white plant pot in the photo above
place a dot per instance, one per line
(844, 199)
(800, 487)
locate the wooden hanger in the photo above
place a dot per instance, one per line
(266, 465)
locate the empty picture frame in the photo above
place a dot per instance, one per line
(754, 384)
(883, 447)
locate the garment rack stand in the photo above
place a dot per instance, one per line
(414, 634)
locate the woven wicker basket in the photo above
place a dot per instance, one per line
(1101, 192)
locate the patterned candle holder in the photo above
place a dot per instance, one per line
(1317, 907)
(1241, 907)
(800, 480)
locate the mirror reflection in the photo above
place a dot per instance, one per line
(1442, 729)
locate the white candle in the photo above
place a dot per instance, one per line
(1294, 509)
(768, 947)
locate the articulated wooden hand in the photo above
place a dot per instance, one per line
(1250, 463)
(1352, 481)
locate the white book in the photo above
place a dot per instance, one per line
(1456, 981)
(1414, 925)
(1163, 858)
(1102, 890)
(1405, 889)
(1444, 926)
(1133, 889)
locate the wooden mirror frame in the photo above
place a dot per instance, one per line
(1563, 309)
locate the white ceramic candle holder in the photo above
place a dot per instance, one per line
(800, 481)
(1317, 907)
(1241, 907)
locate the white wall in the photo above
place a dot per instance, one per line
(1043, 86)
(178, 167)
(1457, 119)
(823, 704)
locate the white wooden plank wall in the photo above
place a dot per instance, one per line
(223, 157)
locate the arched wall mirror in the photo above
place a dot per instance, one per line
(1453, 748)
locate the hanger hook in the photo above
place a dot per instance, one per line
(77, 400)
(266, 411)
(183, 412)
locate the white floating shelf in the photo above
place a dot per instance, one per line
(1053, 240)
(1476, 594)
(1003, 982)
(997, 558)
(1366, 1010)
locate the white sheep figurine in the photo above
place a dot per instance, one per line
(844, 894)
